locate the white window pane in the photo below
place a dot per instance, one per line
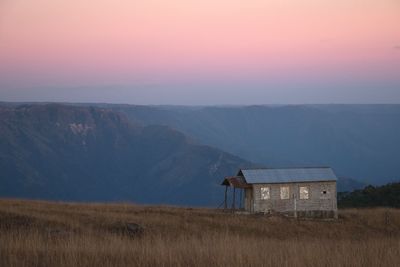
(265, 193)
(304, 192)
(285, 192)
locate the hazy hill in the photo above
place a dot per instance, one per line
(358, 141)
(85, 153)
(118, 152)
(371, 196)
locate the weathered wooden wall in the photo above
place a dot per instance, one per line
(316, 203)
(248, 199)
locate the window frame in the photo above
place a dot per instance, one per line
(284, 195)
(304, 195)
(267, 191)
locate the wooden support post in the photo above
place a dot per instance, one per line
(234, 199)
(226, 198)
(240, 198)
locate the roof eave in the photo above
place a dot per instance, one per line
(297, 182)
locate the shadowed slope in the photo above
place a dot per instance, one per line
(85, 153)
(357, 141)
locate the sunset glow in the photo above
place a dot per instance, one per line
(71, 42)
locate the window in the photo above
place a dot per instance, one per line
(284, 192)
(265, 193)
(304, 192)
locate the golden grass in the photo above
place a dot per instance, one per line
(37, 233)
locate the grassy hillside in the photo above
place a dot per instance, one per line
(34, 233)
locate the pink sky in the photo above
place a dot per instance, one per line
(92, 42)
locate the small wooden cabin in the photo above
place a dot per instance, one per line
(299, 192)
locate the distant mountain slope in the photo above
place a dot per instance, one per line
(93, 154)
(358, 141)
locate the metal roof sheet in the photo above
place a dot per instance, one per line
(288, 175)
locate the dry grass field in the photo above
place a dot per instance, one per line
(36, 233)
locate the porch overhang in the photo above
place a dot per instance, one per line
(236, 182)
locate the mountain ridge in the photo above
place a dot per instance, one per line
(100, 153)
(358, 141)
(63, 152)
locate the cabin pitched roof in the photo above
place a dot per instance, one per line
(287, 175)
